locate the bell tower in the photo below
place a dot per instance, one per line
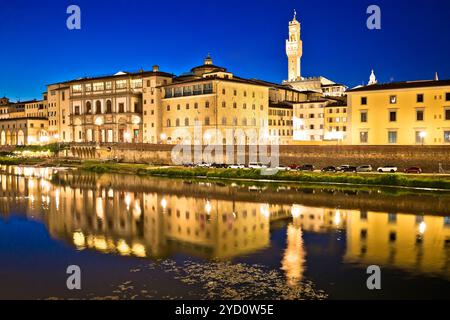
(294, 50)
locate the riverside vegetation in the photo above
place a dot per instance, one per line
(395, 180)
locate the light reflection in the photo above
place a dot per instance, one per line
(208, 207)
(123, 248)
(422, 227)
(158, 225)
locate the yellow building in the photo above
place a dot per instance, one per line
(401, 113)
(58, 100)
(217, 100)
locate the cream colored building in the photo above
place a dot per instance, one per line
(23, 123)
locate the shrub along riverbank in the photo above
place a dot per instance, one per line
(375, 179)
(395, 180)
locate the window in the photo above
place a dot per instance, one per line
(363, 101)
(121, 84)
(207, 104)
(224, 121)
(392, 136)
(420, 137)
(99, 86)
(88, 107)
(168, 108)
(364, 137)
(392, 116)
(393, 99)
(98, 107)
(168, 122)
(186, 122)
(419, 115)
(447, 114)
(108, 106)
(447, 136)
(207, 122)
(447, 96)
(121, 107)
(177, 122)
(420, 98)
(363, 116)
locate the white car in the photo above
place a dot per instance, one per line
(257, 165)
(283, 168)
(237, 166)
(391, 169)
(204, 165)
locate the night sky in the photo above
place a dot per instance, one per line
(246, 36)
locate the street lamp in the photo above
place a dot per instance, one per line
(422, 136)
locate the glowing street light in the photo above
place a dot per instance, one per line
(422, 136)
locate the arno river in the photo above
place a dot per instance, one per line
(148, 238)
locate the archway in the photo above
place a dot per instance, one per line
(3, 138)
(20, 138)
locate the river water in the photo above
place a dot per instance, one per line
(157, 238)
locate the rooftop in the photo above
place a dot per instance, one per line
(402, 85)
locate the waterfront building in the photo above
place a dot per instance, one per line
(23, 123)
(400, 113)
(320, 120)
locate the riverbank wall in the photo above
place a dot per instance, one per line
(430, 158)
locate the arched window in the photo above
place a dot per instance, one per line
(186, 122)
(98, 107)
(88, 107)
(108, 106)
(177, 122)
(168, 122)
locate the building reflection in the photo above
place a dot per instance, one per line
(105, 215)
(411, 242)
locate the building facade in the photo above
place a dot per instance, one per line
(402, 113)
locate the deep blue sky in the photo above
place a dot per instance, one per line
(246, 36)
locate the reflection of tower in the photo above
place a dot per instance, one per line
(294, 50)
(293, 262)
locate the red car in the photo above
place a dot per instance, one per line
(294, 167)
(415, 170)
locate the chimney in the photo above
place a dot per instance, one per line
(155, 68)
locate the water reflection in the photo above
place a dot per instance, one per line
(154, 218)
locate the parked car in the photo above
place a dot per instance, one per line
(306, 167)
(294, 167)
(257, 165)
(350, 169)
(329, 169)
(415, 170)
(204, 165)
(391, 169)
(342, 168)
(237, 166)
(364, 168)
(188, 165)
(283, 168)
(219, 166)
